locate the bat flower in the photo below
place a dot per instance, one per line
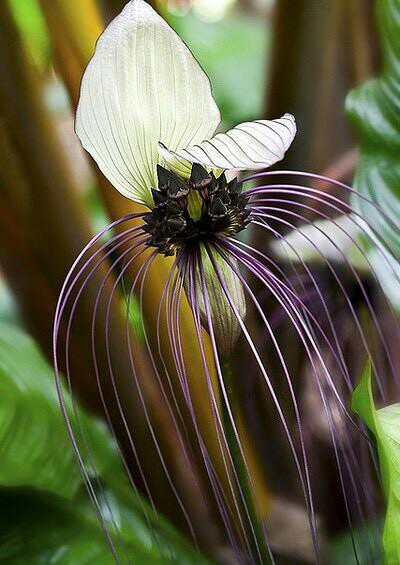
(147, 116)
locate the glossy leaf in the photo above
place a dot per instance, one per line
(45, 513)
(385, 425)
(34, 448)
(366, 538)
(374, 110)
(40, 529)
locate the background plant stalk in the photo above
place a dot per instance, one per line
(45, 227)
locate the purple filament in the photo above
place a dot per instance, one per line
(274, 209)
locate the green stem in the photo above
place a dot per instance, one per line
(258, 539)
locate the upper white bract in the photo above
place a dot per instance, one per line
(145, 100)
(329, 239)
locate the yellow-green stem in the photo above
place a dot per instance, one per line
(250, 509)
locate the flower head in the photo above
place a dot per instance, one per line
(147, 116)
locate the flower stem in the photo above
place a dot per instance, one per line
(259, 545)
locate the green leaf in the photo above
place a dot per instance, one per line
(34, 448)
(45, 513)
(365, 538)
(374, 110)
(40, 529)
(385, 425)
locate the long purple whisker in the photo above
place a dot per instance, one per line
(335, 203)
(276, 287)
(60, 308)
(350, 212)
(307, 483)
(340, 284)
(198, 267)
(333, 182)
(333, 438)
(186, 269)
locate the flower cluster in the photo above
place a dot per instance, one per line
(186, 213)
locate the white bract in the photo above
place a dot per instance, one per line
(323, 240)
(146, 101)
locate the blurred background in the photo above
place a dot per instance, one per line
(264, 58)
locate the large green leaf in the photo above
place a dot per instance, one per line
(374, 110)
(40, 529)
(45, 513)
(34, 448)
(385, 425)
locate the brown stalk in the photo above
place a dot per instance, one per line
(305, 50)
(299, 34)
(363, 39)
(319, 51)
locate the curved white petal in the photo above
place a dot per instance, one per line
(248, 146)
(142, 86)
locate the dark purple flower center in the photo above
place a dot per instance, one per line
(186, 212)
